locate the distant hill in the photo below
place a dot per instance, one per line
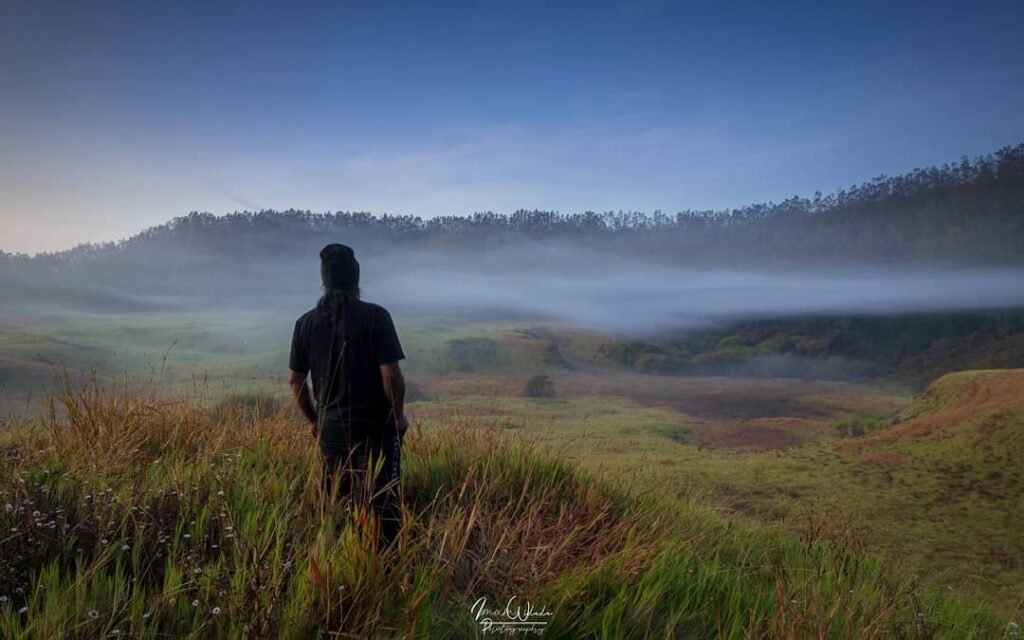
(961, 215)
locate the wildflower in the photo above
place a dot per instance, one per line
(115, 632)
(23, 610)
(3, 599)
(187, 536)
(195, 603)
(94, 614)
(146, 615)
(197, 570)
(125, 547)
(216, 611)
(104, 542)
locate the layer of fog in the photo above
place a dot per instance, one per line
(621, 291)
(631, 296)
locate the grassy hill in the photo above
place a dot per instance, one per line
(939, 486)
(126, 515)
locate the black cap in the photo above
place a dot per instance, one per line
(339, 268)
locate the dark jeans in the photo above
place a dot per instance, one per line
(349, 460)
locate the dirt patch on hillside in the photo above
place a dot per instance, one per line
(747, 436)
(974, 396)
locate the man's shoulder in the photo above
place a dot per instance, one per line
(373, 309)
(306, 318)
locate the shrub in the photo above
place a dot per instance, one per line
(539, 386)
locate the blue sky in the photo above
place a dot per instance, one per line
(118, 116)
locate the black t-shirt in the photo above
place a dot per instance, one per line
(361, 344)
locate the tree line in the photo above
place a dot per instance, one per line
(971, 211)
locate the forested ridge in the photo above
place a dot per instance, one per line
(966, 213)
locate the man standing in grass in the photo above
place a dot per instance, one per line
(349, 350)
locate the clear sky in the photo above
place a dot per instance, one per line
(119, 116)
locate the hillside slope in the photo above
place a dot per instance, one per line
(940, 488)
(149, 518)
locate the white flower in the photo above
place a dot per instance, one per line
(3, 599)
(23, 610)
(125, 547)
(216, 611)
(195, 603)
(94, 614)
(197, 570)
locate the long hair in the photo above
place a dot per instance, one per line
(337, 305)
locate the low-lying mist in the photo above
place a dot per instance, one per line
(621, 292)
(632, 296)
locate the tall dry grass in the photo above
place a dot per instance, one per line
(127, 515)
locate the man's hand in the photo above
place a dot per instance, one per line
(297, 381)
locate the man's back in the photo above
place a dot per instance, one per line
(346, 374)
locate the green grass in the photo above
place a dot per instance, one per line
(149, 517)
(221, 354)
(859, 424)
(943, 503)
(941, 491)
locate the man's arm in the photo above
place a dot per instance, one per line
(297, 381)
(394, 389)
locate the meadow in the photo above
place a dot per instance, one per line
(630, 504)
